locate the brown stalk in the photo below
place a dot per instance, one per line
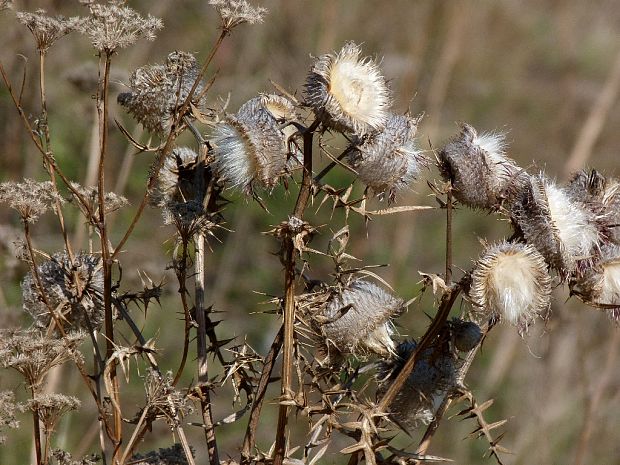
(181, 272)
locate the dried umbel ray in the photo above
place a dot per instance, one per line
(74, 290)
(251, 147)
(388, 160)
(434, 376)
(481, 174)
(347, 93)
(355, 320)
(560, 229)
(510, 282)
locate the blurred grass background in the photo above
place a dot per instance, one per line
(546, 73)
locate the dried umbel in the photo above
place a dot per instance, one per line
(478, 169)
(74, 290)
(163, 400)
(434, 376)
(111, 26)
(510, 282)
(7, 413)
(158, 91)
(51, 407)
(560, 229)
(250, 147)
(47, 29)
(90, 195)
(173, 455)
(358, 320)
(235, 12)
(347, 93)
(30, 198)
(34, 354)
(599, 285)
(388, 160)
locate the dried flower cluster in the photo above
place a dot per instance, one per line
(7, 413)
(73, 289)
(173, 455)
(51, 407)
(47, 29)
(31, 199)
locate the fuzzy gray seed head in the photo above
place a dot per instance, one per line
(466, 334)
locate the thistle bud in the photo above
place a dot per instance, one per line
(510, 282)
(388, 160)
(80, 303)
(347, 93)
(357, 319)
(599, 285)
(476, 165)
(434, 376)
(250, 147)
(560, 229)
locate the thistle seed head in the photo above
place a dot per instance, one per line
(111, 26)
(64, 458)
(30, 198)
(236, 12)
(47, 29)
(560, 229)
(249, 146)
(358, 319)
(599, 285)
(158, 91)
(434, 376)
(73, 289)
(481, 174)
(169, 456)
(388, 160)
(510, 282)
(347, 93)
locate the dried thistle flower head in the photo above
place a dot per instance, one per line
(388, 160)
(158, 91)
(560, 229)
(47, 29)
(434, 376)
(358, 320)
(250, 147)
(466, 334)
(510, 282)
(7, 413)
(236, 12)
(347, 93)
(74, 289)
(51, 407)
(111, 26)
(173, 455)
(30, 198)
(33, 353)
(599, 285)
(476, 165)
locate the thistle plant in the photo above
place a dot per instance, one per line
(350, 374)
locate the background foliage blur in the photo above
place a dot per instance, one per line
(545, 73)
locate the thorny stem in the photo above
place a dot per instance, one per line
(168, 145)
(250, 434)
(102, 111)
(181, 272)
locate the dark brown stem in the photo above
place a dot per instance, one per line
(37, 433)
(250, 434)
(181, 272)
(449, 236)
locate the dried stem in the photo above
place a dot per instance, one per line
(449, 236)
(181, 273)
(37, 431)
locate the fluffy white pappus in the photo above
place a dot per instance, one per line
(610, 282)
(494, 143)
(511, 282)
(348, 93)
(233, 160)
(575, 226)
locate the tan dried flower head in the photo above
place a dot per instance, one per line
(358, 320)
(434, 376)
(250, 147)
(599, 285)
(163, 400)
(51, 407)
(47, 29)
(30, 198)
(111, 26)
(64, 458)
(7, 413)
(560, 229)
(173, 455)
(481, 174)
(347, 93)
(388, 160)
(33, 353)
(158, 91)
(5, 4)
(78, 304)
(236, 12)
(510, 282)
(113, 202)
